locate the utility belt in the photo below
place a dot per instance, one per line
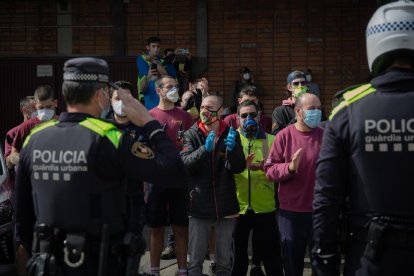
(53, 248)
(384, 231)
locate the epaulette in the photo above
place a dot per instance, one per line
(352, 95)
(103, 128)
(38, 128)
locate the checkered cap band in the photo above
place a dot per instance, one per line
(85, 77)
(391, 26)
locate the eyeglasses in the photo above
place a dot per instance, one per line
(251, 114)
(296, 83)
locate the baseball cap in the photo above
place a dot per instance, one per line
(295, 75)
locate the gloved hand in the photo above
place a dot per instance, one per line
(209, 142)
(230, 141)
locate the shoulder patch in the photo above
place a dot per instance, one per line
(141, 150)
(351, 96)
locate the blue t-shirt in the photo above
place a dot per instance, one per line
(151, 98)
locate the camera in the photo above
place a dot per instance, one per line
(183, 51)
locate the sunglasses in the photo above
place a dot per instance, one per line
(251, 114)
(296, 83)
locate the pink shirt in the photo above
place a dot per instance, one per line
(295, 190)
(173, 120)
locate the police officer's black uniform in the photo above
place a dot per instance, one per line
(366, 156)
(70, 180)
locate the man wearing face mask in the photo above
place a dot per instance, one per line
(256, 199)
(135, 185)
(169, 206)
(212, 154)
(27, 107)
(45, 104)
(284, 114)
(292, 163)
(70, 184)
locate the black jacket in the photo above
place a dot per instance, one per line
(282, 116)
(71, 174)
(366, 155)
(212, 185)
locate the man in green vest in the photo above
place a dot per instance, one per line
(256, 198)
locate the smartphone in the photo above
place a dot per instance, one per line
(153, 66)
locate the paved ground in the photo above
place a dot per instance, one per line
(169, 267)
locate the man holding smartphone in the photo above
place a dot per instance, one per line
(150, 67)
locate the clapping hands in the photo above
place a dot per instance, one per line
(230, 141)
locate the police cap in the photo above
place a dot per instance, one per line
(86, 69)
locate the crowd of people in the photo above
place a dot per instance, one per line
(176, 158)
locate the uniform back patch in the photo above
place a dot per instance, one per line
(141, 150)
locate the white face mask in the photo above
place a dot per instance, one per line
(246, 76)
(172, 95)
(118, 106)
(308, 78)
(45, 114)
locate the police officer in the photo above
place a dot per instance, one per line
(365, 157)
(69, 180)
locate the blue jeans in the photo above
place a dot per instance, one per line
(296, 233)
(198, 243)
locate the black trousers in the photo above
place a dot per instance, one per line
(267, 240)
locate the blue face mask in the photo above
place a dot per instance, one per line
(250, 128)
(312, 117)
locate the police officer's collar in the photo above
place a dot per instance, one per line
(74, 116)
(394, 79)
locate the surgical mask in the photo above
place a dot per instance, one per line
(250, 128)
(246, 76)
(172, 95)
(312, 117)
(308, 78)
(299, 90)
(118, 106)
(208, 117)
(45, 114)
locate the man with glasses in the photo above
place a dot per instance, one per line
(256, 199)
(292, 162)
(284, 114)
(167, 206)
(248, 93)
(212, 154)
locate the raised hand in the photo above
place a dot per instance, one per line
(230, 141)
(294, 164)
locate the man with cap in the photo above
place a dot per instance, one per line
(365, 163)
(70, 187)
(284, 114)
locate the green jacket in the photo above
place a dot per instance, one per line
(256, 188)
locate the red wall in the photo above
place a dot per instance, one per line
(270, 37)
